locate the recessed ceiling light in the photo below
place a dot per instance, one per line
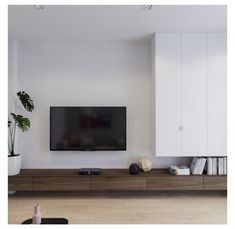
(39, 7)
(147, 7)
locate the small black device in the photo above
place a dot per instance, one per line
(89, 171)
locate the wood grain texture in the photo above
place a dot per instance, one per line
(175, 183)
(19, 183)
(61, 183)
(74, 172)
(215, 182)
(111, 179)
(48, 172)
(118, 183)
(131, 207)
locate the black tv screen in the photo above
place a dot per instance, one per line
(87, 128)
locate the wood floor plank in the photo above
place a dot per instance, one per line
(153, 207)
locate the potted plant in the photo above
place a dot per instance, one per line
(17, 121)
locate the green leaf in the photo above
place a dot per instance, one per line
(13, 115)
(26, 101)
(9, 123)
(22, 122)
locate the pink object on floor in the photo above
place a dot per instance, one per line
(37, 215)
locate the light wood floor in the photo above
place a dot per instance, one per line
(119, 208)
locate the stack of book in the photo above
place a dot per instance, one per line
(216, 166)
(198, 165)
(179, 170)
(212, 165)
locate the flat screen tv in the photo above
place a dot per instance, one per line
(87, 128)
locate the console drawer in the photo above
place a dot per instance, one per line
(16, 183)
(118, 183)
(175, 183)
(60, 183)
(215, 182)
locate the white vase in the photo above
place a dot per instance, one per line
(14, 165)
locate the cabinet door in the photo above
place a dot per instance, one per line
(194, 94)
(217, 95)
(61, 183)
(175, 183)
(168, 90)
(215, 182)
(18, 183)
(118, 183)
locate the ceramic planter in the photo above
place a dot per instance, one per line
(14, 165)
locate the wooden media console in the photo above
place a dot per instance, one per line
(111, 179)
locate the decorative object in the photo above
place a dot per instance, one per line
(14, 164)
(145, 164)
(134, 169)
(37, 215)
(23, 123)
(179, 170)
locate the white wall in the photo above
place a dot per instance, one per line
(12, 80)
(12, 74)
(77, 74)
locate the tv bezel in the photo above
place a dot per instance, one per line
(117, 149)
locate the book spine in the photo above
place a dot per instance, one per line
(195, 171)
(199, 167)
(209, 166)
(203, 165)
(225, 165)
(220, 166)
(193, 164)
(214, 165)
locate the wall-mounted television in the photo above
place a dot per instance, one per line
(87, 128)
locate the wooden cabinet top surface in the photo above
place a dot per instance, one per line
(104, 173)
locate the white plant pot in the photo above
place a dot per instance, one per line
(14, 165)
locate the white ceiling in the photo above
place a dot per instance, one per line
(111, 23)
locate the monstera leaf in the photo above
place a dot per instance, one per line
(9, 123)
(26, 101)
(22, 122)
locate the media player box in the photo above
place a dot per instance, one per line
(89, 171)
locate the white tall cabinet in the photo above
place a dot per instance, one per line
(190, 94)
(168, 82)
(217, 94)
(194, 94)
